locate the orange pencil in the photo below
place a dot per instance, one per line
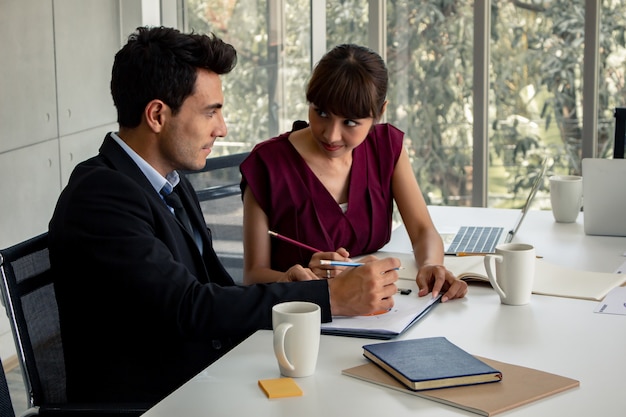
(378, 313)
(472, 253)
(481, 254)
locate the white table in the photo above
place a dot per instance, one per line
(557, 335)
(560, 243)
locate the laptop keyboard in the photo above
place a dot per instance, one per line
(473, 239)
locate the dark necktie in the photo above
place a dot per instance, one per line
(173, 200)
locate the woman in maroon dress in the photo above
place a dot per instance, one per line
(331, 183)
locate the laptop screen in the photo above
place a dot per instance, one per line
(533, 191)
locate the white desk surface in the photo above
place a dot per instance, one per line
(558, 335)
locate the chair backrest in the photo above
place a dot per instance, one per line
(217, 188)
(6, 406)
(28, 295)
(620, 132)
(219, 178)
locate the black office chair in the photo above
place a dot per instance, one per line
(217, 188)
(620, 132)
(219, 178)
(6, 406)
(28, 295)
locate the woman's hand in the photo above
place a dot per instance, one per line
(437, 278)
(298, 273)
(328, 271)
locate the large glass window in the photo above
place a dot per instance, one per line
(265, 92)
(346, 22)
(429, 56)
(537, 90)
(535, 93)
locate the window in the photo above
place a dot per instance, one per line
(272, 39)
(429, 56)
(537, 59)
(535, 91)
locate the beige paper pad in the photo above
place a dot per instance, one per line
(519, 386)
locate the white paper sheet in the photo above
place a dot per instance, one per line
(406, 309)
(614, 302)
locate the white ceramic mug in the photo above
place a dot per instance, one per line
(566, 196)
(297, 328)
(514, 272)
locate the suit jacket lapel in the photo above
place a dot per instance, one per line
(118, 159)
(121, 161)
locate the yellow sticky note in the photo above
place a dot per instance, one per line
(280, 388)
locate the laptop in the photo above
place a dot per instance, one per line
(604, 196)
(484, 239)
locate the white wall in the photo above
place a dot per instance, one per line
(57, 58)
(55, 104)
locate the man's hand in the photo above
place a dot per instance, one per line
(365, 289)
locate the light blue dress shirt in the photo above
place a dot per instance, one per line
(157, 181)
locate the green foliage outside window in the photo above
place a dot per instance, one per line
(535, 99)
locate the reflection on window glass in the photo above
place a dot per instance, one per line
(264, 93)
(346, 22)
(429, 56)
(530, 62)
(536, 96)
(612, 67)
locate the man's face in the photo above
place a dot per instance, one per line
(188, 136)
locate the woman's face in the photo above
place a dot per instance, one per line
(335, 134)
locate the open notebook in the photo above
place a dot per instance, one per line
(484, 239)
(550, 279)
(408, 309)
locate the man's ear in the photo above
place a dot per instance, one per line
(155, 114)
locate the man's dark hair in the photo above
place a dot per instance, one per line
(161, 63)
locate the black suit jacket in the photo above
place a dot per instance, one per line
(141, 309)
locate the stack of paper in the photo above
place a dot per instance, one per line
(519, 386)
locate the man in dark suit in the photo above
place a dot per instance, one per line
(144, 302)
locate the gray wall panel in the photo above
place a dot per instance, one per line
(27, 205)
(77, 147)
(27, 81)
(85, 48)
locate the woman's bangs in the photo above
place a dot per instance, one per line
(349, 97)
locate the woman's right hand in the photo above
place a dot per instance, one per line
(328, 271)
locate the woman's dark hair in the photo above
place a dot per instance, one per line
(351, 81)
(161, 63)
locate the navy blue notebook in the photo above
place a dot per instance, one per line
(430, 363)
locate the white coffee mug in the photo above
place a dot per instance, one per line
(566, 197)
(514, 272)
(297, 328)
